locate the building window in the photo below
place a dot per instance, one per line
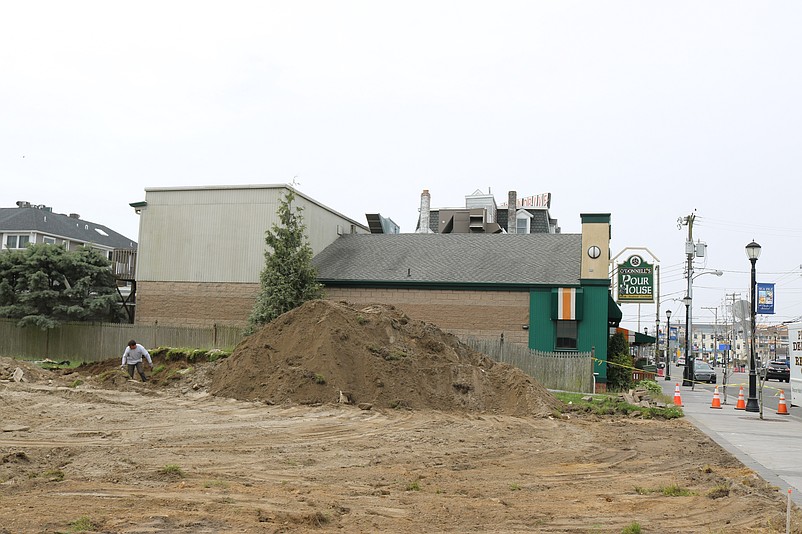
(522, 225)
(49, 240)
(566, 335)
(17, 241)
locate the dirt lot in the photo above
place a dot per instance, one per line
(92, 451)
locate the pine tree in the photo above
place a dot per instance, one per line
(45, 285)
(288, 279)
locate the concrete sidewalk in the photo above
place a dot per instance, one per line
(772, 447)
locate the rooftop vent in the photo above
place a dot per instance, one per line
(23, 204)
(74, 216)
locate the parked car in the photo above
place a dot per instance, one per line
(702, 372)
(778, 370)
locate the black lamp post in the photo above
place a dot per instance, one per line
(687, 374)
(753, 253)
(668, 344)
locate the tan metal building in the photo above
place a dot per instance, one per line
(202, 248)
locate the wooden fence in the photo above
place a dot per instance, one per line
(565, 371)
(89, 342)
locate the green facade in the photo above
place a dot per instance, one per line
(592, 328)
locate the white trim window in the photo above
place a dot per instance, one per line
(17, 241)
(523, 222)
(49, 240)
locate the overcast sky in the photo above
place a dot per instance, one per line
(647, 111)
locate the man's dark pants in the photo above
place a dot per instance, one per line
(140, 368)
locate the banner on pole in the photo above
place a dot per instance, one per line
(765, 298)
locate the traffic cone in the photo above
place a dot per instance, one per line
(782, 409)
(741, 404)
(716, 400)
(677, 396)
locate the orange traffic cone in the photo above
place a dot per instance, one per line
(677, 396)
(741, 404)
(716, 400)
(782, 409)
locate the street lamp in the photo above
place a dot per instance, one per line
(668, 344)
(753, 253)
(687, 374)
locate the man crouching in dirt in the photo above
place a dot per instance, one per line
(132, 357)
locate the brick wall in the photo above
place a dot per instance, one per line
(481, 314)
(194, 303)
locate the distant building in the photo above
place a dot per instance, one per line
(30, 223)
(481, 215)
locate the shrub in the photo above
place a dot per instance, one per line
(651, 386)
(619, 364)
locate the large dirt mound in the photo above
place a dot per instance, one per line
(327, 351)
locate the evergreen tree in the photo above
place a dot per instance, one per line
(619, 363)
(44, 285)
(288, 279)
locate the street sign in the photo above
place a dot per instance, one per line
(635, 280)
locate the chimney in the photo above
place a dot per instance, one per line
(512, 208)
(425, 206)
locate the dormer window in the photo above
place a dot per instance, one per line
(523, 222)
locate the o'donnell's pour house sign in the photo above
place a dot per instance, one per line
(635, 280)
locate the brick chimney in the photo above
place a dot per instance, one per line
(512, 209)
(425, 208)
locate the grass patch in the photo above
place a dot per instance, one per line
(515, 487)
(172, 470)
(221, 484)
(174, 354)
(612, 404)
(361, 320)
(76, 383)
(319, 379)
(158, 369)
(82, 524)
(632, 528)
(413, 486)
(106, 375)
(675, 491)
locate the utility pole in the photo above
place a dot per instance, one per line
(688, 375)
(657, 317)
(733, 330)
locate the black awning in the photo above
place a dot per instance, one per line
(614, 313)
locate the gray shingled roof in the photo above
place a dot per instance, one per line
(60, 225)
(551, 259)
